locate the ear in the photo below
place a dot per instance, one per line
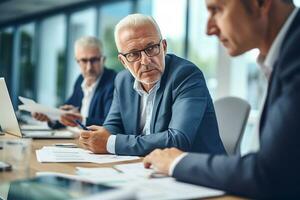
(103, 59)
(165, 45)
(120, 58)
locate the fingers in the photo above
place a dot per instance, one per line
(67, 107)
(85, 134)
(40, 116)
(69, 119)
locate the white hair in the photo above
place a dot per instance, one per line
(133, 21)
(88, 42)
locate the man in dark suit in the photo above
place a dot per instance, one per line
(154, 99)
(272, 26)
(93, 90)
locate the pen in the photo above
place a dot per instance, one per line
(81, 125)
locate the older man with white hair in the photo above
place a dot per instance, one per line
(160, 101)
(93, 91)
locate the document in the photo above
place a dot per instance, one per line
(30, 105)
(64, 154)
(135, 169)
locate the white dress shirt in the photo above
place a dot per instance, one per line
(88, 94)
(266, 65)
(146, 108)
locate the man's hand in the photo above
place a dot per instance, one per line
(68, 119)
(40, 117)
(95, 139)
(161, 160)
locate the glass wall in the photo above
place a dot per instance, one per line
(82, 23)
(172, 24)
(6, 45)
(202, 50)
(51, 77)
(27, 63)
(110, 15)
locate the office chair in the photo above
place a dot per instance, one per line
(232, 115)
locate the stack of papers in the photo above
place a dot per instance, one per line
(144, 186)
(63, 154)
(31, 106)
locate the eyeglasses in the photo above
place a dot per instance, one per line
(150, 51)
(93, 60)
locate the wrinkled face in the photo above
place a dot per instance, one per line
(90, 61)
(238, 30)
(146, 66)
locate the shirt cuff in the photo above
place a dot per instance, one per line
(110, 145)
(175, 162)
(84, 121)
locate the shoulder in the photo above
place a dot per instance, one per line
(289, 61)
(180, 68)
(123, 78)
(78, 81)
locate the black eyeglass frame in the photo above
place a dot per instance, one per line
(144, 50)
(92, 60)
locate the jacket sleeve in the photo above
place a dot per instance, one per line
(190, 92)
(272, 172)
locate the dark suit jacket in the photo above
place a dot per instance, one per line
(101, 100)
(274, 171)
(183, 114)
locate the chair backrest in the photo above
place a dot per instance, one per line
(232, 115)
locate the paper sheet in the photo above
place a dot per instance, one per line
(135, 169)
(62, 154)
(31, 106)
(146, 188)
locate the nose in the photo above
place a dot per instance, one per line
(145, 60)
(212, 28)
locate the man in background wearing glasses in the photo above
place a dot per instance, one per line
(93, 90)
(160, 101)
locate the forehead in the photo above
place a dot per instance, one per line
(87, 51)
(216, 2)
(135, 38)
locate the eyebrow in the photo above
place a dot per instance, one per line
(147, 45)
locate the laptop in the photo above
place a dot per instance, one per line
(9, 123)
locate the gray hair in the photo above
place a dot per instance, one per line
(133, 21)
(88, 42)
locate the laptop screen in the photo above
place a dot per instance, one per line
(8, 119)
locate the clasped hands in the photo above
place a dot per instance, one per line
(95, 139)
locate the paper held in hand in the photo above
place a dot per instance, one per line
(31, 106)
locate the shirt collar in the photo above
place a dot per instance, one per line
(84, 86)
(139, 89)
(271, 58)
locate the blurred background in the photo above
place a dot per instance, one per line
(37, 37)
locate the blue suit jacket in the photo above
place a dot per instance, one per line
(274, 171)
(101, 100)
(183, 114)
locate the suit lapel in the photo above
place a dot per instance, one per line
(136, 109)
(157, 102)
(266, 103)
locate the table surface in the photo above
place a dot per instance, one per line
(68, 168)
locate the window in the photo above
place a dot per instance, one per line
(51, 75)
(6, 44)
(110, 15)
(82, 23)
(202, 49)
(172, 24)
(27, 61)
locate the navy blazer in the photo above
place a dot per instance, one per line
(274, 171)
(101, 100)
(183, 114)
